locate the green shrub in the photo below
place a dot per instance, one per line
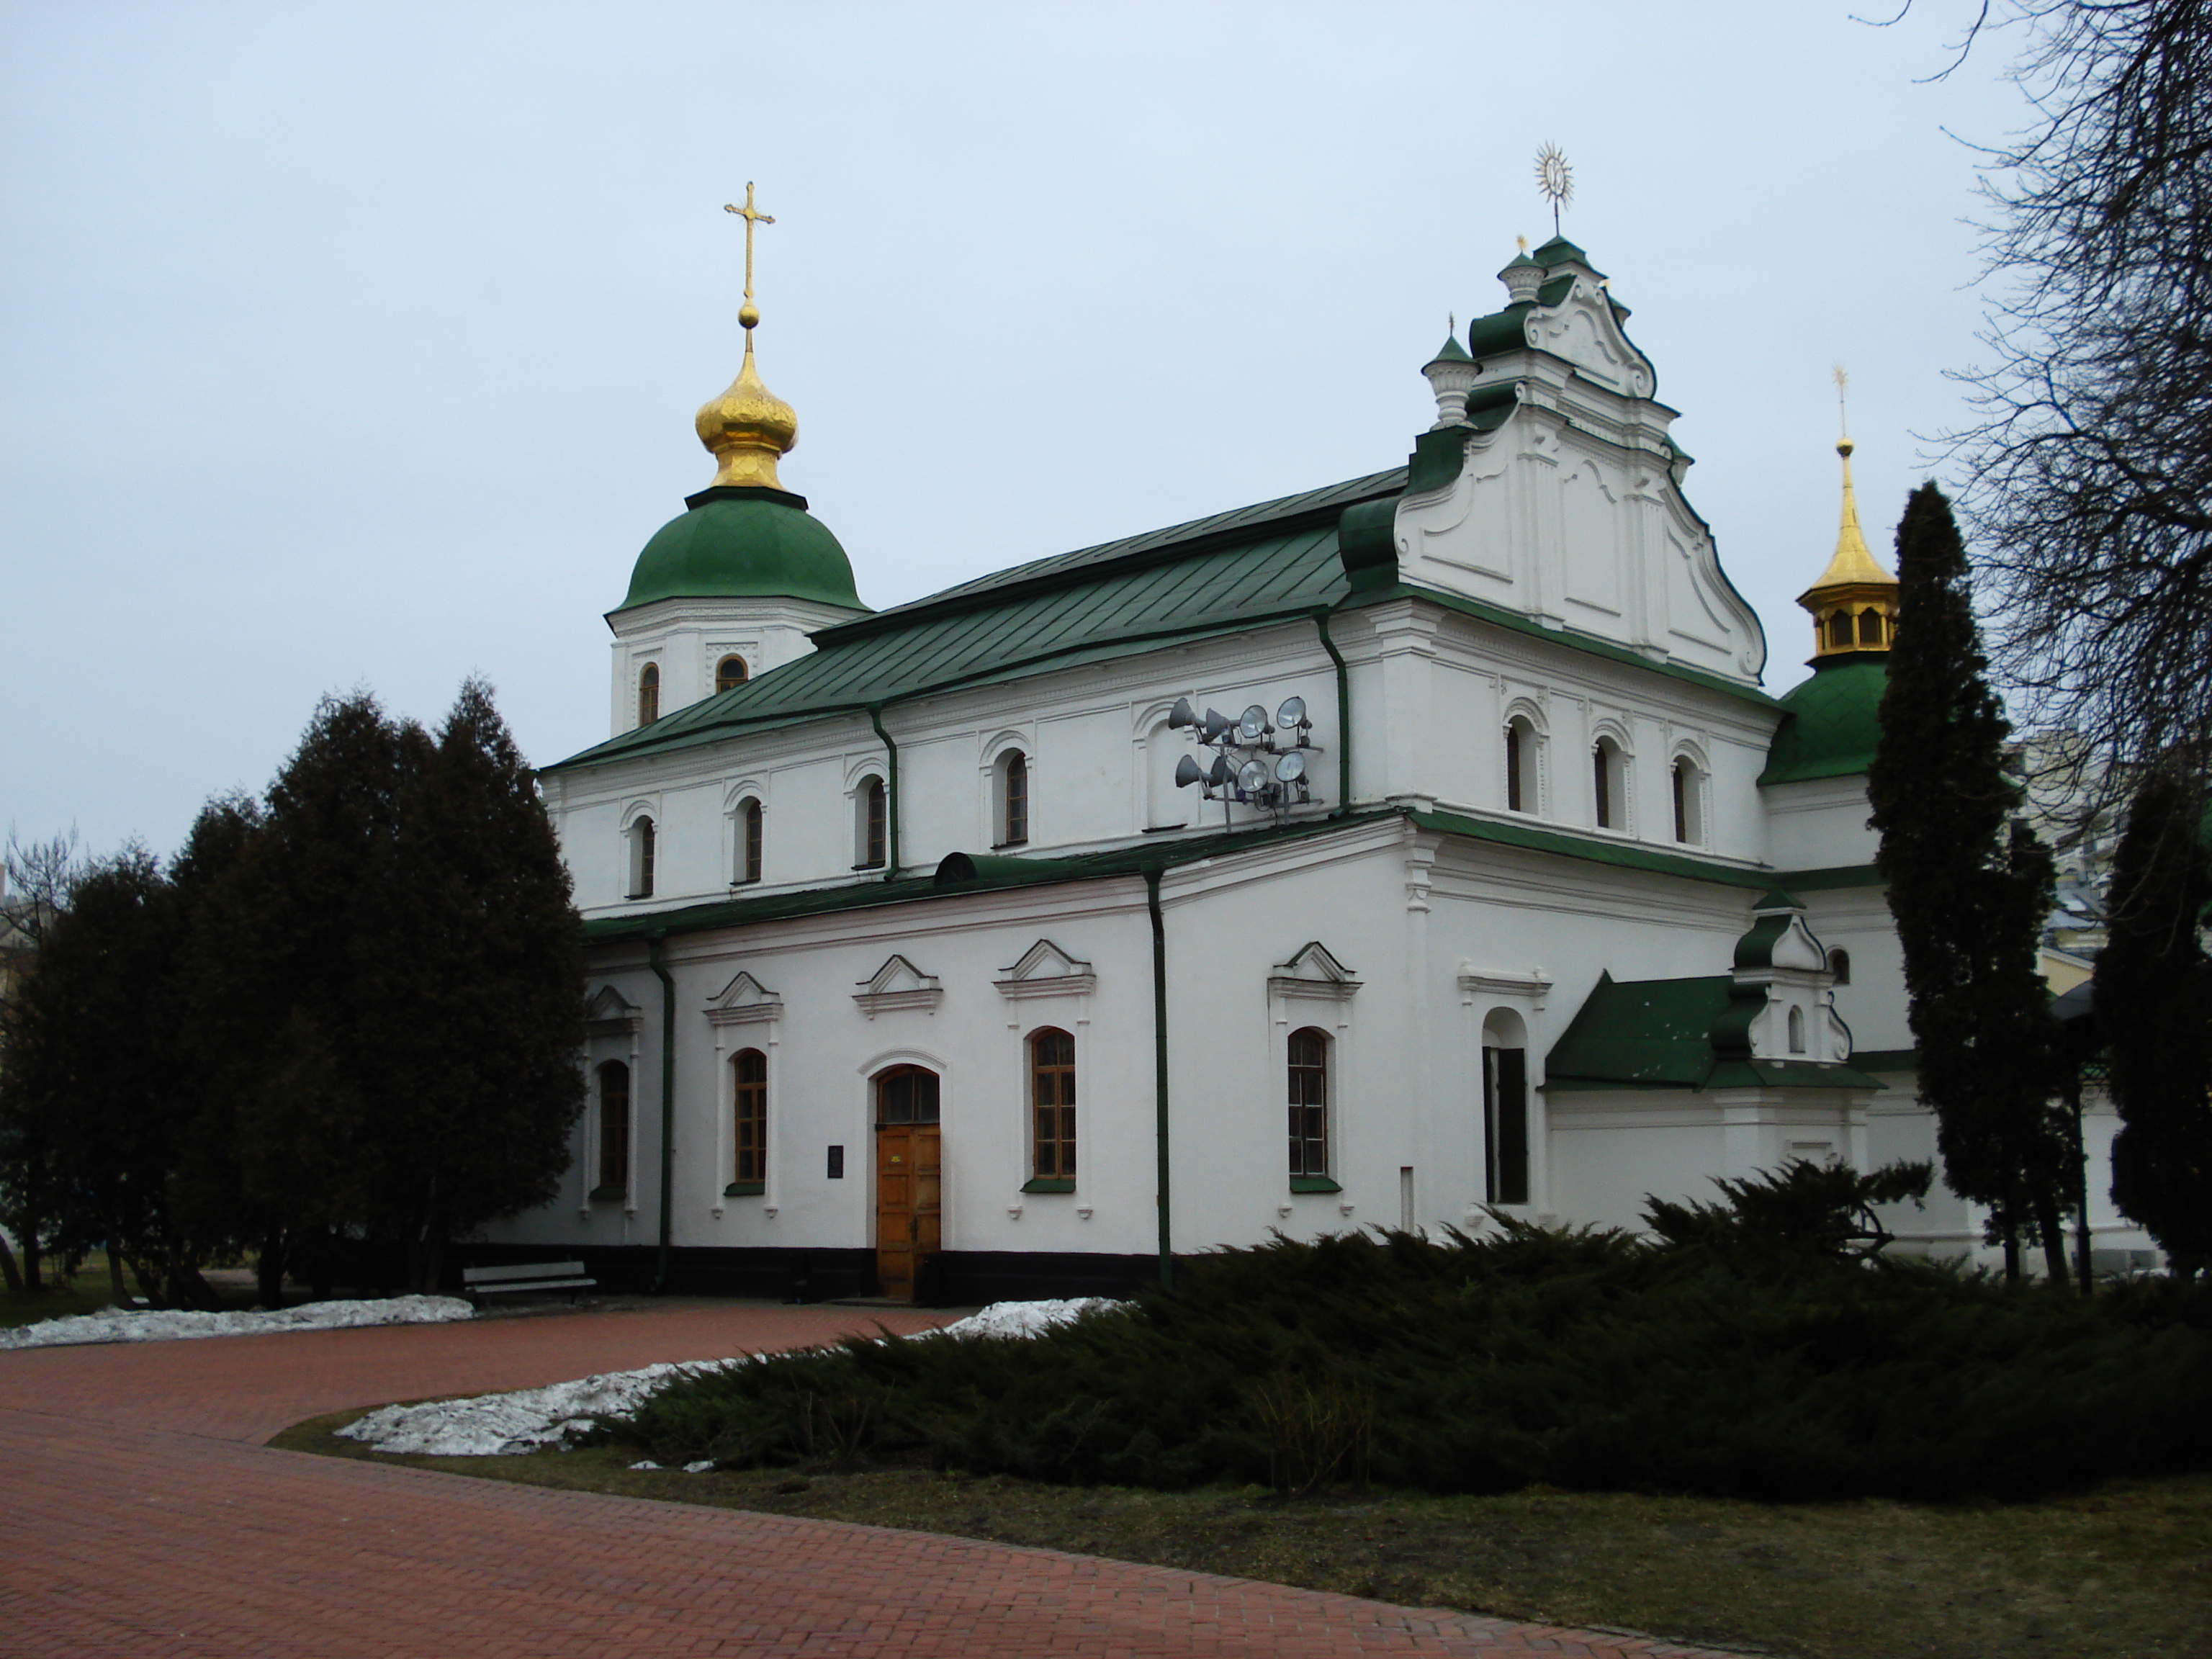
(1580, 1359)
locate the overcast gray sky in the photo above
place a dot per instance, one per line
(357, 345)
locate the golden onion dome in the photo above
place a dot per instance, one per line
(748, 426)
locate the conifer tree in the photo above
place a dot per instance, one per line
(1969, 890)
(2154, 1003)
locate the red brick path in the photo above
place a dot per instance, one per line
(141, 1514)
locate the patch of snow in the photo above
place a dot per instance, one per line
(699, 1467)
(169, 1325)
(1021, 1318)
(496, 1425)
(645, 1463)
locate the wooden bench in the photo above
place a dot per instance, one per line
(478, 1282)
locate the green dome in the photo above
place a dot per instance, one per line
(1834, 720)
(744, 543)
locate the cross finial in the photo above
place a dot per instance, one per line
(1555, 181)
(749, 314)
(1843, 386)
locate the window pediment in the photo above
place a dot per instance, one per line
(744, 1001)
(1314, 972)
(899, 984)
(608, 1014)
(1046, 970)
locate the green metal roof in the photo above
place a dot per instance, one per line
(1222, 575)
(1835, 720)
(1675, 1034)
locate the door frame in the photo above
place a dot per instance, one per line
(868, 1072)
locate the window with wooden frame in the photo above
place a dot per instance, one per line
(1505, 1124)
(1013, 814)
(729, 672)
(751, 829)
(749, 1078)
(906, 1094)
(869, 809)
(1309, 1101)
(614, 1132)
(642, 853)
(648, 694)
(1052, 1111)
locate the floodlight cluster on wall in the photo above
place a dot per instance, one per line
(1251, 764)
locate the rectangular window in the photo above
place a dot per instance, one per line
(1505, 1125)
(1052, 1106)
(751, 1167)
(872, 806)
(753, 813)
(907, 1095)
(1309, 1079)
(614, 1130)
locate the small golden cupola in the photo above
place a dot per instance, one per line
(748, 426)
(1854, 604)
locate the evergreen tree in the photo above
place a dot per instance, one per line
(2153, 1002)
(488, 1019)
(1969, 891)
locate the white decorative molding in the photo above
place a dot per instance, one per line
(1534, 985)
(609, 1014)
(744, 1001)
(1046, 970)
(899, 984)
(1314, 972)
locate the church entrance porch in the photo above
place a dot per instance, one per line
(910, 1170)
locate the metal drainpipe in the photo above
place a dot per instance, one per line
(1153, 873)
(1343, 714)
(891, 792)
(667, 1101)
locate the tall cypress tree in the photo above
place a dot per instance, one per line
(1969, 890)
(2153, 1002)
(488, 1019)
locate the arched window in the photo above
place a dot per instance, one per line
(648, 694)
(906, 1094)
(1609, 779)
(614, 1130)
(869, 825)
(1839, 964)
(1797, 1031)
(641, 839)
(730, 671)
(1520, 775)
(749, 1067)
(1013, 816)
(1689, 802)
(1052, 1105)
(1309, 1079)
(1504, 1109)
(750, 828)
(1869, 626)
(1840, 629)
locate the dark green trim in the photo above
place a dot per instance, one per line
(607, 1194)
(890, 794)
(744, 493)
(1152, 873)
(1887, 1060)
(1314, 1184)
(745, 1189)
(1514, 622)
(1343, 714)
(1041, 1185)
(1438, 455)
(1842, 875)
(1626, 855)
(667, 1106)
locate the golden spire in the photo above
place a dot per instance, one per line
(1854, 603)
(748, 426)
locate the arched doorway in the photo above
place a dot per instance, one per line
(909, 1165)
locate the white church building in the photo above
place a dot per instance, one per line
(1418, 846)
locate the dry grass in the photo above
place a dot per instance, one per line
(2121, 1573)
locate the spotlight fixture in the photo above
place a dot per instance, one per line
(1240, 771)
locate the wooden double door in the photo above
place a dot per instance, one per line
(910, 1179)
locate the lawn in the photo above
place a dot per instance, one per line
(87, 1293)
(2121, 1571)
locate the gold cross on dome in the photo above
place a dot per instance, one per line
(751, 217)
